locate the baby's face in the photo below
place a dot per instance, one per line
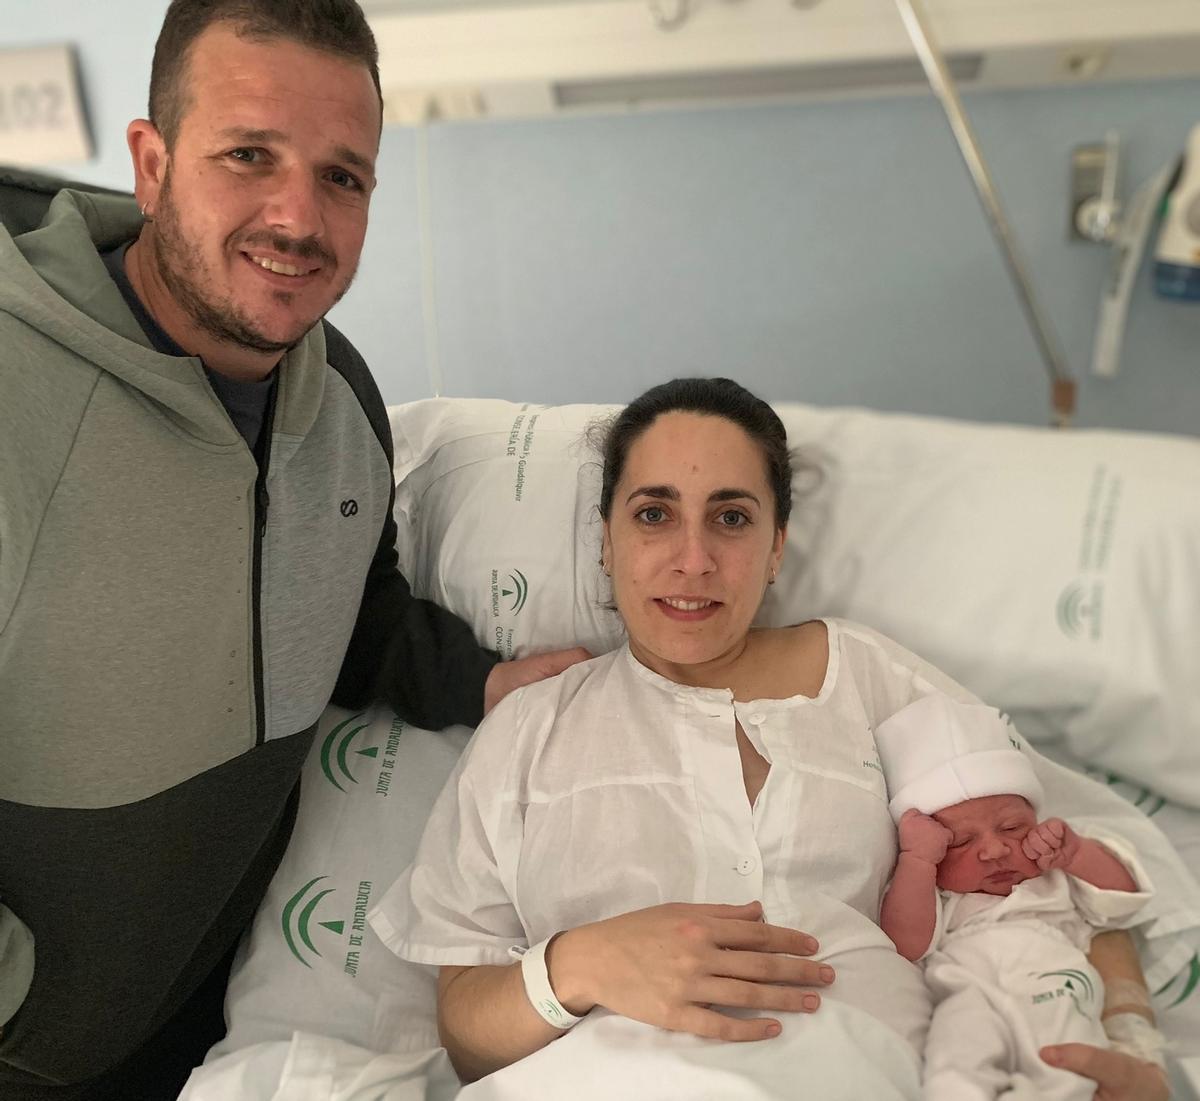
(985, 851)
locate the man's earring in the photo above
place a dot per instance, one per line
(771, 579)
(145, 208)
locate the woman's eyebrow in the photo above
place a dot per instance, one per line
(663, 493)
(733, 495)
(670, 493)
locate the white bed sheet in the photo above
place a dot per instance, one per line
(320, 1033)
(305, 1024)
(1177, 1004)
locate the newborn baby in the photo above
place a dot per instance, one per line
(999, 904)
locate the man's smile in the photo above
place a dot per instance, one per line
(282, 272)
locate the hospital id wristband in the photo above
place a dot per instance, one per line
(538, 989)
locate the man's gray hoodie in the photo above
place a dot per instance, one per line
(173, 620)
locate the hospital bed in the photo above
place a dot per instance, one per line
(1057, 574)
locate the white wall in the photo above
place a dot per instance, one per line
(832, 253)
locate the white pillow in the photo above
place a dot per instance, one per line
(496, 509)
(312, 963)
(1056, 574)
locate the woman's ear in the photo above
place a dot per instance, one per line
(777, 546)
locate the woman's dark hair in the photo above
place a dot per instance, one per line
(335, 26)
(709, 397)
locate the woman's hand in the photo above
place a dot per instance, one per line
(1119, 1077)
(667, 965)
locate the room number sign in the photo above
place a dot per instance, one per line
(41, 109)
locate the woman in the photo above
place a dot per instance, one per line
(705, 761)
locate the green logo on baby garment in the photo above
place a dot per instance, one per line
(335, 751)
(299, 915)
(1069, 983)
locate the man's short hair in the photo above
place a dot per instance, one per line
(335, 26)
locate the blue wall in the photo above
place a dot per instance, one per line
(832, 253)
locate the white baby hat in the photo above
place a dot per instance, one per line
(937, 752)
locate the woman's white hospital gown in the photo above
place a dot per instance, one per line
(610, 788)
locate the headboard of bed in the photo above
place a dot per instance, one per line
(1055, 574)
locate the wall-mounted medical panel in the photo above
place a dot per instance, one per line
(511, 59)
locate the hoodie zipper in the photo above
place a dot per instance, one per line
(262, 502)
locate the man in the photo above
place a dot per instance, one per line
(196, 543)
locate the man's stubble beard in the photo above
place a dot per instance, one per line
(219, 317)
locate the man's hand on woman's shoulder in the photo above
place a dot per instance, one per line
(507, 675)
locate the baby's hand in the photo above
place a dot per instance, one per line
(1051, 844)
(923, 837)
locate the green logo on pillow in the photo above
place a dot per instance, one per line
(1079, 609)
(336, 748)
(297, 920)
(298, 915)
(1188, 980)
(518, 591)
(513, 591)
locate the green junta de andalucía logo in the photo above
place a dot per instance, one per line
(1074, 984)
(1079, 609)
(549, 1009)
(1147, 801)
(510, 590)
(300, 913)
(517, 592)
(1183, 985)
(335, 750)
(338, 753)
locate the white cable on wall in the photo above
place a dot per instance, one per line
(1129, 246)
